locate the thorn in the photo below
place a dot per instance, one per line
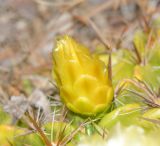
(39, 130)
(110, 67)
(139, 60)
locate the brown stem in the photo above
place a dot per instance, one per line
(88, 22)
(98, 33)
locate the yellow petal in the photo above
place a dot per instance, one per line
(85, 84)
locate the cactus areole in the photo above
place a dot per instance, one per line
(81, 78)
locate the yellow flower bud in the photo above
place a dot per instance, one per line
(81, 78)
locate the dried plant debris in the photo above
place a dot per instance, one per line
(17, 106)
(39, 100)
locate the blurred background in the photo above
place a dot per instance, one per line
(29, 28)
